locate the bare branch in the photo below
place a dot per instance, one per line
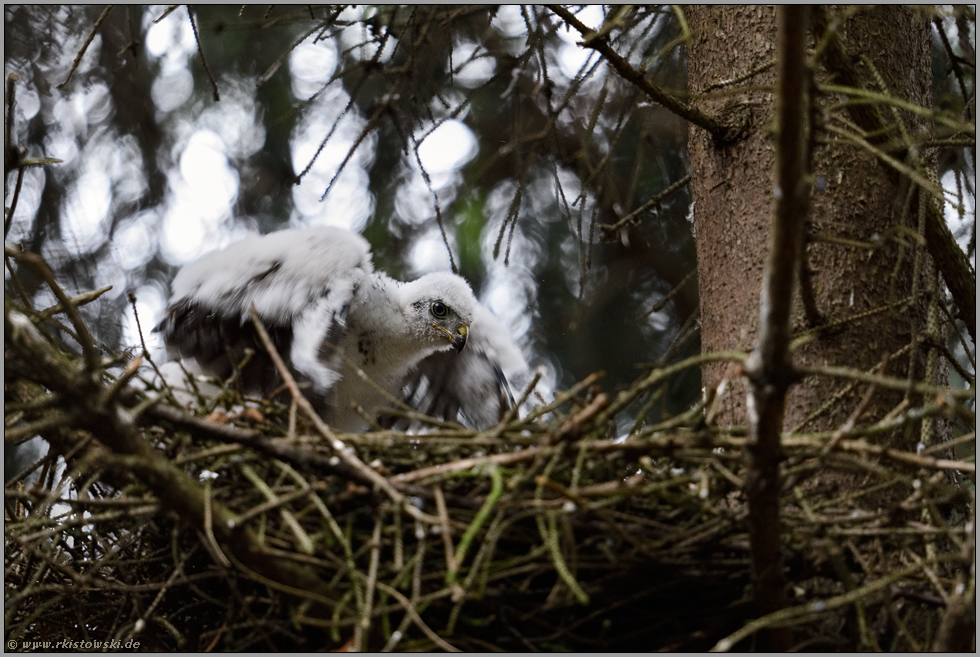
(951, 260)
(591, 39)
(200, 51)
(769, 368)
(88, 42)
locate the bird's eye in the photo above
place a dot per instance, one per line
(439, 310)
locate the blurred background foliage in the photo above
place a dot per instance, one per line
(387, 120)
(482, 137)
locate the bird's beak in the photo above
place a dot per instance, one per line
(459, 340)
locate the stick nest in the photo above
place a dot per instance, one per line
(259, 528)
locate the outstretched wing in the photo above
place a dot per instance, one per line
(300, 282)
(476, 386)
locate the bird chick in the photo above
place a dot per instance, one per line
(354, 334)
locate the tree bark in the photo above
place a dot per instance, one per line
(857, 199)
(749, 199)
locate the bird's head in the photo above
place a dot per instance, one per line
(440, 308)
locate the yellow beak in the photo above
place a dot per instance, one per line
(458, 341)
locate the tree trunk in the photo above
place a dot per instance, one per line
(863, 286)
(872, 266)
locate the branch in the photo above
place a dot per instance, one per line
(611, 231)
(40, 267)
(346, 455)
(954, 266)
(811, 610)
(88, 42)
(959, 622)
(229, 434)
(11, 155)
(79, 300)
(769, 368)
(114, 427)
(951, 260)
(204, 61)
(599, 42)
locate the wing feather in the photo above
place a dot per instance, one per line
(301, 283)
(474, 387)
